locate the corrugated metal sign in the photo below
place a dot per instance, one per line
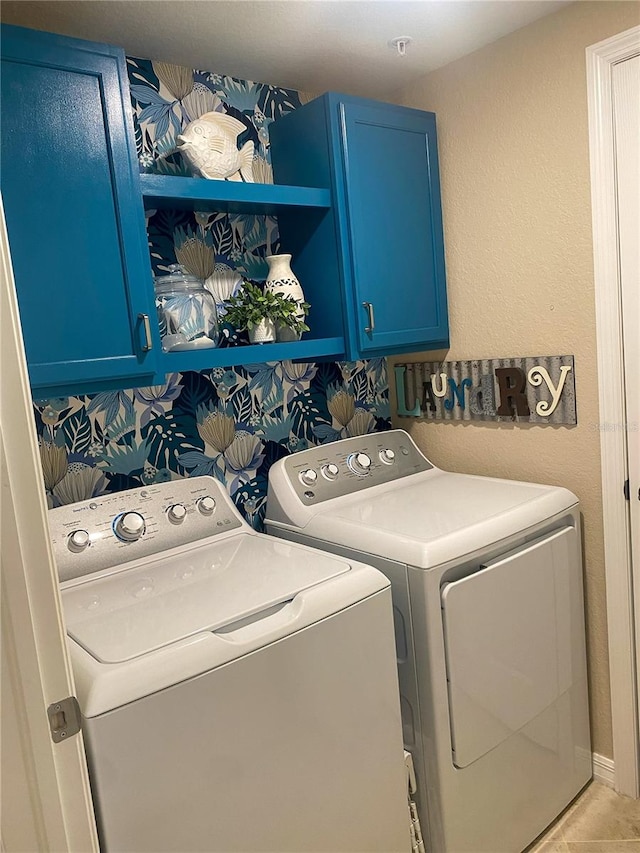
(526, 390)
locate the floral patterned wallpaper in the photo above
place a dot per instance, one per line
(165, 99)
(229, 423)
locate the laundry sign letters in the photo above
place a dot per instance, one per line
(525, 390)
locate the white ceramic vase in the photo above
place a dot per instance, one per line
(282, 280)
(263, 333)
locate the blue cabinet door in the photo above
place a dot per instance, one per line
(392, 195)
(74, 213)
(382, 243)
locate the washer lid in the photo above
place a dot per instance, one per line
(157, 602)
(430, 518)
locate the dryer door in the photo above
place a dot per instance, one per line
(507, 633)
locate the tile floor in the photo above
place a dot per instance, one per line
(599, 821)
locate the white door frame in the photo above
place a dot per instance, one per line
(618, 564)
(54, 809)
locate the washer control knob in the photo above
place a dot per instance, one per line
(387, 456)
(129, 526)
(206, 505)
(176, 513)
(330, 471)
(78, 540)
(359, 463)
(308, 477)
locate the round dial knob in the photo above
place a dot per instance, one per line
(130, 526)
(308, 477)
(177, 513)
(206, 505)
(330, 471)
(387, 456)
(78, 540)
(359, 463)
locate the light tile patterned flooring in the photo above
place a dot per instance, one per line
(599, 821)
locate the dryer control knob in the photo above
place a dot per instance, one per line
(177, 513)
(387, 456)
(78, 540)
(308, 477)
(129, 526)
(206, 505)
(330, 471)
(359, 463)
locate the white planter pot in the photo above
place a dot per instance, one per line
(282, 280)
(284, 334)
(263, 333)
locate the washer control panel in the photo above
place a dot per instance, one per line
(353, 464)
(112, 529)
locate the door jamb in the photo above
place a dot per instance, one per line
(618, 564)
(38, 673)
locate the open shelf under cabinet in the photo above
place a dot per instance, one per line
(168, 191)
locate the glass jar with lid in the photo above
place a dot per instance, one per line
(186, 311)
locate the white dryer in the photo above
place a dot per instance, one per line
(486, 577)
(238, 692)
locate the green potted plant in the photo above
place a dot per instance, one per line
(260, 312)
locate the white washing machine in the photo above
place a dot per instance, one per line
(238, 692)
(486, 577)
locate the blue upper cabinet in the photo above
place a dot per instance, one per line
(74, 214)
(383, 241)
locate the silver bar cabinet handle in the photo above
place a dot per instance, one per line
(148, 343)
(368, 306)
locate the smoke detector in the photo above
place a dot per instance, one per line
(400, 43)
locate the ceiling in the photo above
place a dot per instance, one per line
(310, 45)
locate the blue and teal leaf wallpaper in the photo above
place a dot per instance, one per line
(233, 423)
(165, 99)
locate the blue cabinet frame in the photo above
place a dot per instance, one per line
(383, 245)
(74, 214)
(357, 199)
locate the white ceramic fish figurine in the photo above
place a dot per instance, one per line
(210, 144)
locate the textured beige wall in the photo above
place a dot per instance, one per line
(514, 160)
